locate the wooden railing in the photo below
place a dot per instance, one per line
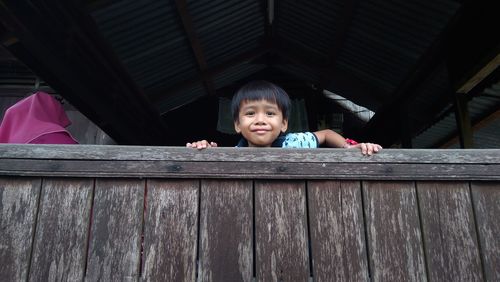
(114, 213)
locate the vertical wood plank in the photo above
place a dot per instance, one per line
(171, 230)
(449, 230)
(337, 231)
(393, 229)
(115, 241)
(281, 231)
(226, 252)
(486, 196)
(18, 208)
(60, 246)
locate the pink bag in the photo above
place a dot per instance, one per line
(37, 119)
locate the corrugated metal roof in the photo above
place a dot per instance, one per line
(184, 97)
(484, 137)
(384, 42)
(312, 24)
(378, 45)
(236, 73)
(148, 38)
(227, 28)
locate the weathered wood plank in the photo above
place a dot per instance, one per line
(394, 238)
(226, 252)
(60, 246)
(337, 231)
(171, 230)
(115, 245)
(486, 196)
(281, 231)
(449, 231)
(249, 170)
(18, 207)
(320, 155)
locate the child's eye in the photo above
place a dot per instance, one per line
(271, 113)
(249, 113)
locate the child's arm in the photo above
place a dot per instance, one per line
(201, 144)
(331, 138)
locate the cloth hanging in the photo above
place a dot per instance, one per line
(37, 119)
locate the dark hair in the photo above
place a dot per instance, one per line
(261, 90)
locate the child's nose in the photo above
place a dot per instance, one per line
(260, 118)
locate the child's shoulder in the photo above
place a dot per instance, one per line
(300, 140)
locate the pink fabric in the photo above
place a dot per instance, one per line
(38, 119)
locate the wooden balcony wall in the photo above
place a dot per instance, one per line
(119, 213)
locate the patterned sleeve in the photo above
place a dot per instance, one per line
(300, 140)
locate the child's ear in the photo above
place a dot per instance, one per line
(284, 126)
(237, 127)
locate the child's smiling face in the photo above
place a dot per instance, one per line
(260, 122)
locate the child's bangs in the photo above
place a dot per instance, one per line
(267, 95)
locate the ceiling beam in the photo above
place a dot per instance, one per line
(384, 128)
(480, 76)
(494, 117)
(339, 82)
(93, 5)
(343, 26)
(158, 95)
(269, 10)
(194, 41)
(461, 46)
(66, 51)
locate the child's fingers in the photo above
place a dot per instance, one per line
(201, 144)
(364, 148)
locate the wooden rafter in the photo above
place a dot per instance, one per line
(344, 24)
(66, 51)
(194, 41)
(383, 128)
(339, 82)
(159, 94)
(481, 75)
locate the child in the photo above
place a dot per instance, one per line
(260, 112)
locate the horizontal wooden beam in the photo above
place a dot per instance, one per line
(481, 75)
(270, 163)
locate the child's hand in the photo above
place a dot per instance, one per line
(201, 144)
(367, 148)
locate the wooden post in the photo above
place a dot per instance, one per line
(463, 121)
(405, 128)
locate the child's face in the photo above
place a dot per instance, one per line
(260, 122)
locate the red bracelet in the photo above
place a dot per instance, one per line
(350, 142)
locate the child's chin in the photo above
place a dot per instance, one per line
(261, 144)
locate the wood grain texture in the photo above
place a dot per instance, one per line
(115, 240)
(449, 230)
(249, 170)
(237, 163)
(18, 207)
(337, 231)
(393, 229)
(226, 231)
(60, 247)
(281, 231)
(486, 196)
(319, 155)
(171, 230)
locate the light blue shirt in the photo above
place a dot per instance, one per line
(291, 140)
